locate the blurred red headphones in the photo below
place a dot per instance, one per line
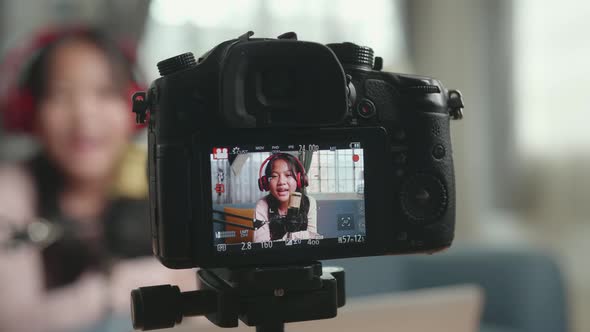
(17, 103)
(264, 182)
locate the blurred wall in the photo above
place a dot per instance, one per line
(124, 20)
(522, 151)
(467, 45)
(20, 18)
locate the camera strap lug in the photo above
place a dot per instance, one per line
(140, 106)
(456, 104)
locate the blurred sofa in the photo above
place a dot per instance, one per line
(524, 289)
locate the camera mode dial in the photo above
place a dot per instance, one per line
(351, 54)
(176, 64)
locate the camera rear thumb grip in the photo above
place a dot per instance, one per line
(164, 306)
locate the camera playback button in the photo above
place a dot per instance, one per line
(400, 159)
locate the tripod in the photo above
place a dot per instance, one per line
(265, 297)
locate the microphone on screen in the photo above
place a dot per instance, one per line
(294, 205)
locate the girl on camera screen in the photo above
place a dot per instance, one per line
(286, 213)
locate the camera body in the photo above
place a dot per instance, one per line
(374, 148)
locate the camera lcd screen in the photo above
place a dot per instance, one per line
(283, 196)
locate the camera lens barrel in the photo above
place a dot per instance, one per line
(351, 54)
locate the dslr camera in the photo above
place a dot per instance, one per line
(279, 151)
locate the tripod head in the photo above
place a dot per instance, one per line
(265, 297)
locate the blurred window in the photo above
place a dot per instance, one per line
(178, 26)
(336, 172)
(552, 55)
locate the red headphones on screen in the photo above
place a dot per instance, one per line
(263, 180)
(17, 103)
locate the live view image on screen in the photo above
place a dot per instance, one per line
(290, 195)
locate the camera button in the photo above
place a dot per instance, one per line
(403, 236)
(366, 109)
(400, 159)
(399, 135)
(438, 152)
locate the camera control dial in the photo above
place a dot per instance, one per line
(351, 54)
(176, 63)
(423, 198)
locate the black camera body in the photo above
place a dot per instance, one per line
(386, 134)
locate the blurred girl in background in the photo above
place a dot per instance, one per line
(73, 97)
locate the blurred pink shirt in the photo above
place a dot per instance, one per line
(26, 305)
